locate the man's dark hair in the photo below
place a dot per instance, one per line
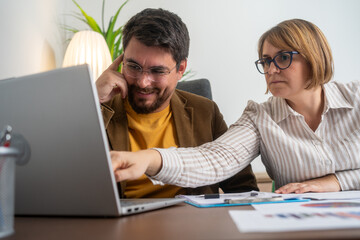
(160, 28)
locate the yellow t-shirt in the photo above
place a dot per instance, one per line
(149, 131)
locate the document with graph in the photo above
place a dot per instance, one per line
(299, 216)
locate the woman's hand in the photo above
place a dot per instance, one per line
(328, 183)
(132, 165)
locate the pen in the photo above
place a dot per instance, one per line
(209, 196)
(217, 195)
(213, 195)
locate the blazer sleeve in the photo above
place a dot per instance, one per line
(244, 180)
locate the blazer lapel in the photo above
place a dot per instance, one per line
(116, 125)
(183, 118)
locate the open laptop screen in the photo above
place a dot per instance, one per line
(69, 172)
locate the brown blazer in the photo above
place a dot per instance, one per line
(197, 121)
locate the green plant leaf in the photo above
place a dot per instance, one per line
(114, 18)
(117, 49)
(110, 34)
(102, 16)
(111, 42)
(89, 20)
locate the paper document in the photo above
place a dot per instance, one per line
(314, 215)
(236, 199)
(309, 206)
(343, 195)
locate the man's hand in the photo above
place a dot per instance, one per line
(132, 165)
(111, 82)
(328, 183)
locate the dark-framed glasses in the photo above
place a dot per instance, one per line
(282, 61)
(155, 74)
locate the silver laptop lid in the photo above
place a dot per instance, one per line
(69, 172)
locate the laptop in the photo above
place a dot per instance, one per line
(69, 172)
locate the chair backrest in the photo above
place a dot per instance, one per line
(200, 87)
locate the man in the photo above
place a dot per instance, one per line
(142, 108)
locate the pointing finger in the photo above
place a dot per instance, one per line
(115, 65)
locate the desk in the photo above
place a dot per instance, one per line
(177, 222)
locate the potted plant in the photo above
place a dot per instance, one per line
(112, 35)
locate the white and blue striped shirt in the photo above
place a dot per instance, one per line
(290, 150)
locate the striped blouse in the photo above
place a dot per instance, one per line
(290, 150)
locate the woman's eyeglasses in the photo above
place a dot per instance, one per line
(282, 61)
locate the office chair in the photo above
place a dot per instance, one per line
(200, 87)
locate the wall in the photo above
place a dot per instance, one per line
(31, 37)
(223, 36)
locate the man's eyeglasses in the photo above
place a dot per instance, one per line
(155, 74)
(282, 61)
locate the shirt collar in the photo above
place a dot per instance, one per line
(281, 109)
(333, 99)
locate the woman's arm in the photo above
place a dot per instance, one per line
(193, 167)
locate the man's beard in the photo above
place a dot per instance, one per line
(139, 106)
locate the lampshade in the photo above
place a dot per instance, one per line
(88, 47)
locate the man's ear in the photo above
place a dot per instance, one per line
(182, 68)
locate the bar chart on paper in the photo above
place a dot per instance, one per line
(299, 216)
(316, 215)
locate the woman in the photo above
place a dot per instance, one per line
(308, 132)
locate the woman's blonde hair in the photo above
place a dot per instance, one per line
(307, 39)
